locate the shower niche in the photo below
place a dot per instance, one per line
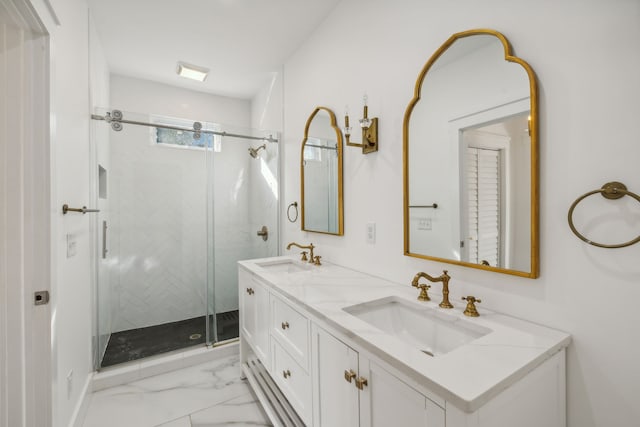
(187, 198)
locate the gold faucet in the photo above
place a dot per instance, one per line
(423, 288)
(471, 309)
(445, 287)
(304, 254)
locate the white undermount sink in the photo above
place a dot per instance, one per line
(430, 331)
(283, 266)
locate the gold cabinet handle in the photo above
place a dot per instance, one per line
(349, 375)
(286, 374)
(285, 325)
(361, 383)
(250, 291)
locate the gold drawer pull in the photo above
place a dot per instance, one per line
(250, 291)
(349, 375)
(361, 383)
(286, 374)
(285, 325)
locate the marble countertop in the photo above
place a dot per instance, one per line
(468, 376)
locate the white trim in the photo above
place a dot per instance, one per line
(80, 411)
(150, 366)
(26, 224)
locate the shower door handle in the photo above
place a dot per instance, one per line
(264, 232)
(104, 240)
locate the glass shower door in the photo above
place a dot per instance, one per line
(153, 275)
(179, 208)
(243, 201)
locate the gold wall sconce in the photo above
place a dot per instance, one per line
(369, 130)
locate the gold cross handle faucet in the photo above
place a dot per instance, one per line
(444, 278)
(471, 309)
(311, 258)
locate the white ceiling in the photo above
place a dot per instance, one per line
(242, 42)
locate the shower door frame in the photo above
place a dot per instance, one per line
(211, 338)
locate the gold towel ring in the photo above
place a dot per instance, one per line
(611, 190)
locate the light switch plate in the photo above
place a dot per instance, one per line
(72, 245)
(371, 232)
(424, 224)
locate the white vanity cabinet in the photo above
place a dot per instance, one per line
(313, 363)
(254, 314)
(290, 354)
(351, 390)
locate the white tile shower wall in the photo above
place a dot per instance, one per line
(161, 204)
(267, 113)
(159, 217)
(232, 235)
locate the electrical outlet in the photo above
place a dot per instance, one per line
(371, 232)
(72, 245)
(424, 224)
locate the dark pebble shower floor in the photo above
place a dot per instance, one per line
(125, 346)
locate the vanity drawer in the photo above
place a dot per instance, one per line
(293, 380)
(291, 329)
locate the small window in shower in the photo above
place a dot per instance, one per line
(183, 138)
(102, 182)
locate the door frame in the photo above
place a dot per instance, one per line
(26, 222)
(456, 128)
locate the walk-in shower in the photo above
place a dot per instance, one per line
(180, 203)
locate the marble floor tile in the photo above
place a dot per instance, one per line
(155, 400)
(238, 412)
(180, 422)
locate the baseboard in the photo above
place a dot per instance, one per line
(80, 411)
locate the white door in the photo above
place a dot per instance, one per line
(336, 371)
(482, 200)
(25, 227)
(261, 331)
(386, 401)
(247, 305)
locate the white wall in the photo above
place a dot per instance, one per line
(586, 56)
(72, 317)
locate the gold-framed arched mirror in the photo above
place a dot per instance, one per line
(470, 157)
(321, 174)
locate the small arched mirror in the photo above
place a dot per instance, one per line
(470, 158)
(321, 174)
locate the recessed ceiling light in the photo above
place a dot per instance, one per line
(192, 71)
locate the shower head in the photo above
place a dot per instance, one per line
(253, 152)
